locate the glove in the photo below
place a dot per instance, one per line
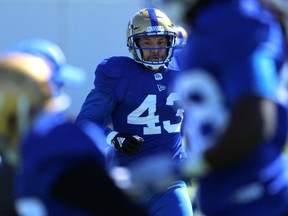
(127, 144)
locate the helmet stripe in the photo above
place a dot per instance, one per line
(153, 16)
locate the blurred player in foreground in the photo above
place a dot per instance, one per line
(181, 40)
(236, 109)
(58, 168)
(145, 111)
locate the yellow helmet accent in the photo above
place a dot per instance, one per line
(24, 91)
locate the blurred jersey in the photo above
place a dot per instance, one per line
(143, 103)
(238, 47)
(53, 147)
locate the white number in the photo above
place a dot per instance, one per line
(170, 128)
(151, 119)
(206, 116)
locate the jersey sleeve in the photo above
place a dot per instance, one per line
(109, 85)
(96, 109)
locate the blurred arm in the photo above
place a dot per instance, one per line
(88, 186)
(253, 120)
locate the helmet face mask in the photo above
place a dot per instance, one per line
(154, 24)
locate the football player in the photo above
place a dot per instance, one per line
(58, 168)
(181, 37)
(64, 74)
(145, 111)
(235, 106)
(181, 40)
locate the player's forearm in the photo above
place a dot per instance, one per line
(253, 120)
(85, 184)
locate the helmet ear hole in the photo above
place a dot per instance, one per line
(145, 23)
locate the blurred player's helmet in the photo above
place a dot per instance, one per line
(181, 36)
(24, 91)
(63, 73)
(150, 22)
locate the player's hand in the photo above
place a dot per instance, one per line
(144, 177)
(127, 144)
(155, 173)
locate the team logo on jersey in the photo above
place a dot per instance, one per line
(161, 87)
(158, 76)
(121, 141)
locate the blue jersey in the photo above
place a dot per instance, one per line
(49, 150)
(234, 51)
(140, 102)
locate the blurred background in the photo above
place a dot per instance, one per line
(86, 30)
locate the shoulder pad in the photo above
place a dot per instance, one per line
(114, 66)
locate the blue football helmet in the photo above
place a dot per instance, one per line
(150, 22)
(25, 91)
(181, 36)
(63, 73)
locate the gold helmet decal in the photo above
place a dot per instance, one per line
(24, 91)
